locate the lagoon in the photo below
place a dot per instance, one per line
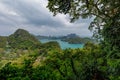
(63, 45)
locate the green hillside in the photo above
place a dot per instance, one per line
(3, 41)
(25, 58)
(22, 39)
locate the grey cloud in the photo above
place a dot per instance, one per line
(38, 20)
(32, 12)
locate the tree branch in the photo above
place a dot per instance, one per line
(73, 67)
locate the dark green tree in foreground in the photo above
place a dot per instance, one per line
(106, 14)
(106, 25)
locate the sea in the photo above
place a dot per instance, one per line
(63, 44)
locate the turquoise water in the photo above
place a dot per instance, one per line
(63, 45)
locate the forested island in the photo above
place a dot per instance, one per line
(70, 38)
(24, 57)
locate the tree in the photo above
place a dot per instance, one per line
(106, 15)
(106, 24)
(78, 64)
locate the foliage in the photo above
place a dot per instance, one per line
(106, 16)
(89, 63)
(22, 39)
(93, 62)
(53, 45)
(79, 64)
(3, 41)
(106, 25)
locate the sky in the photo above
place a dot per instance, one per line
(33, 16)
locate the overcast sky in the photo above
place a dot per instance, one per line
(32, 15)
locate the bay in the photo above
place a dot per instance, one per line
(63, 45)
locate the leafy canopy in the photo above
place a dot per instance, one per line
(106, 14)
(105, 25)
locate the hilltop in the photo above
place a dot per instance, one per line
(22, 39)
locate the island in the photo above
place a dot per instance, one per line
(70, 38)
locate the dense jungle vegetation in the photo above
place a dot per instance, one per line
(36, 61)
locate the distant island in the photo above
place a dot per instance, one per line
(70, 38)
